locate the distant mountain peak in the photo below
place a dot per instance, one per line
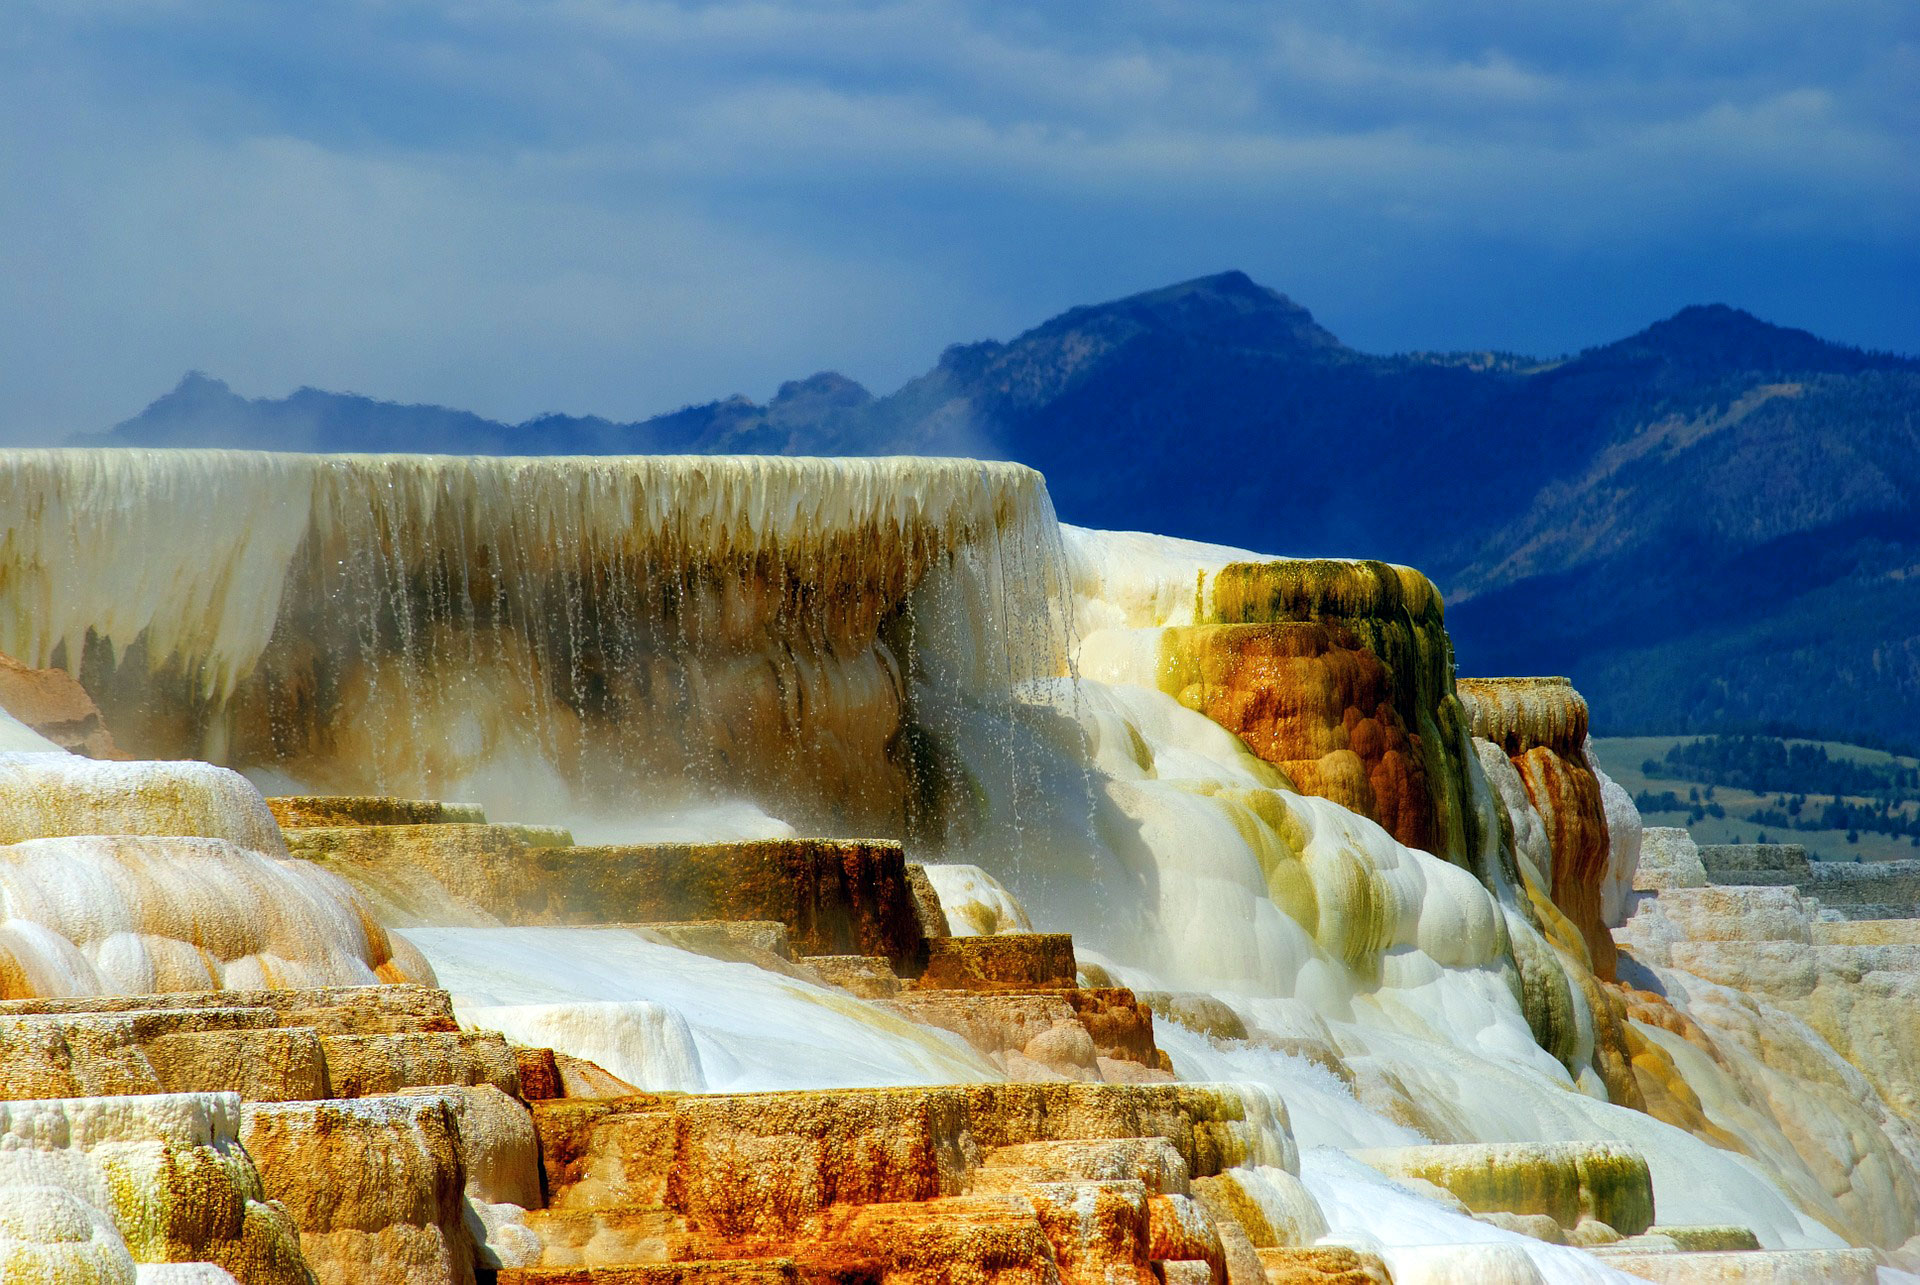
(1718, 314)
(195, 392)
(199, 410)
(1229, 309)
(824, 388)
(1232, 285)
(1719, 336)
(1226, 313)
(199, 381)
(1719, 322)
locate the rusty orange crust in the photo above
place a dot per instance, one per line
(1541, 724)
(1309, 698)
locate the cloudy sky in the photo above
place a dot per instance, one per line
(600, 206)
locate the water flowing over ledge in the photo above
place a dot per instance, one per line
(740, 636)
(1247, 786)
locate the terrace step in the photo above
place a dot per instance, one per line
(868, 976)
(331, 1010)
(148, 1051)
(607, 1237)
(761, 1163)
(835, 897)
(1750, 1267)
(1565, 1181)
(1153, 1162)
(608, 1153)
(298, 811)
(732, 1271)
(1322, 1265)
(1010, 961)
(364, 1065)
(1079, 1033)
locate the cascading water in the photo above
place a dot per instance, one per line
(715, 649)
(639, 647)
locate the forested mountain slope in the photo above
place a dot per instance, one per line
(1710, 525)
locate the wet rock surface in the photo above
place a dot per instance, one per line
(1262, 799)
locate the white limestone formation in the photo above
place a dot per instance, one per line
(715, 648)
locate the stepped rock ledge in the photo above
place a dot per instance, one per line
(597, 871)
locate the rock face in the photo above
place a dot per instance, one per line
(1541, 725)
(43, 797)
(1022, 961)
(764, 658)
(1016, 998)
(1845, 889)
(1569, 1183)
(1330, 1266)
(1752, 864)
(108, 870)
(1054, 1182)
(1836, 1266)
(160, 1051)
(1340, 675)
(707, 627)
(1669, 858)
(306, 811)
(386, 1144)
(376, 1186)
(1793, 1050)
(1876, 890)
(1576, 845)
(55, 705)
(96, 1185)
(834, 897)
(345, 1010)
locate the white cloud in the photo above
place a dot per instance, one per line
(594, 204)
(276, 262)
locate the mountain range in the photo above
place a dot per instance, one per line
(1711, 525)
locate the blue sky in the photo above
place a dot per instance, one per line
(599, 206)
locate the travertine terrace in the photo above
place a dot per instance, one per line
(705, 870)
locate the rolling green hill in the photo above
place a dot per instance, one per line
(1716, 812)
